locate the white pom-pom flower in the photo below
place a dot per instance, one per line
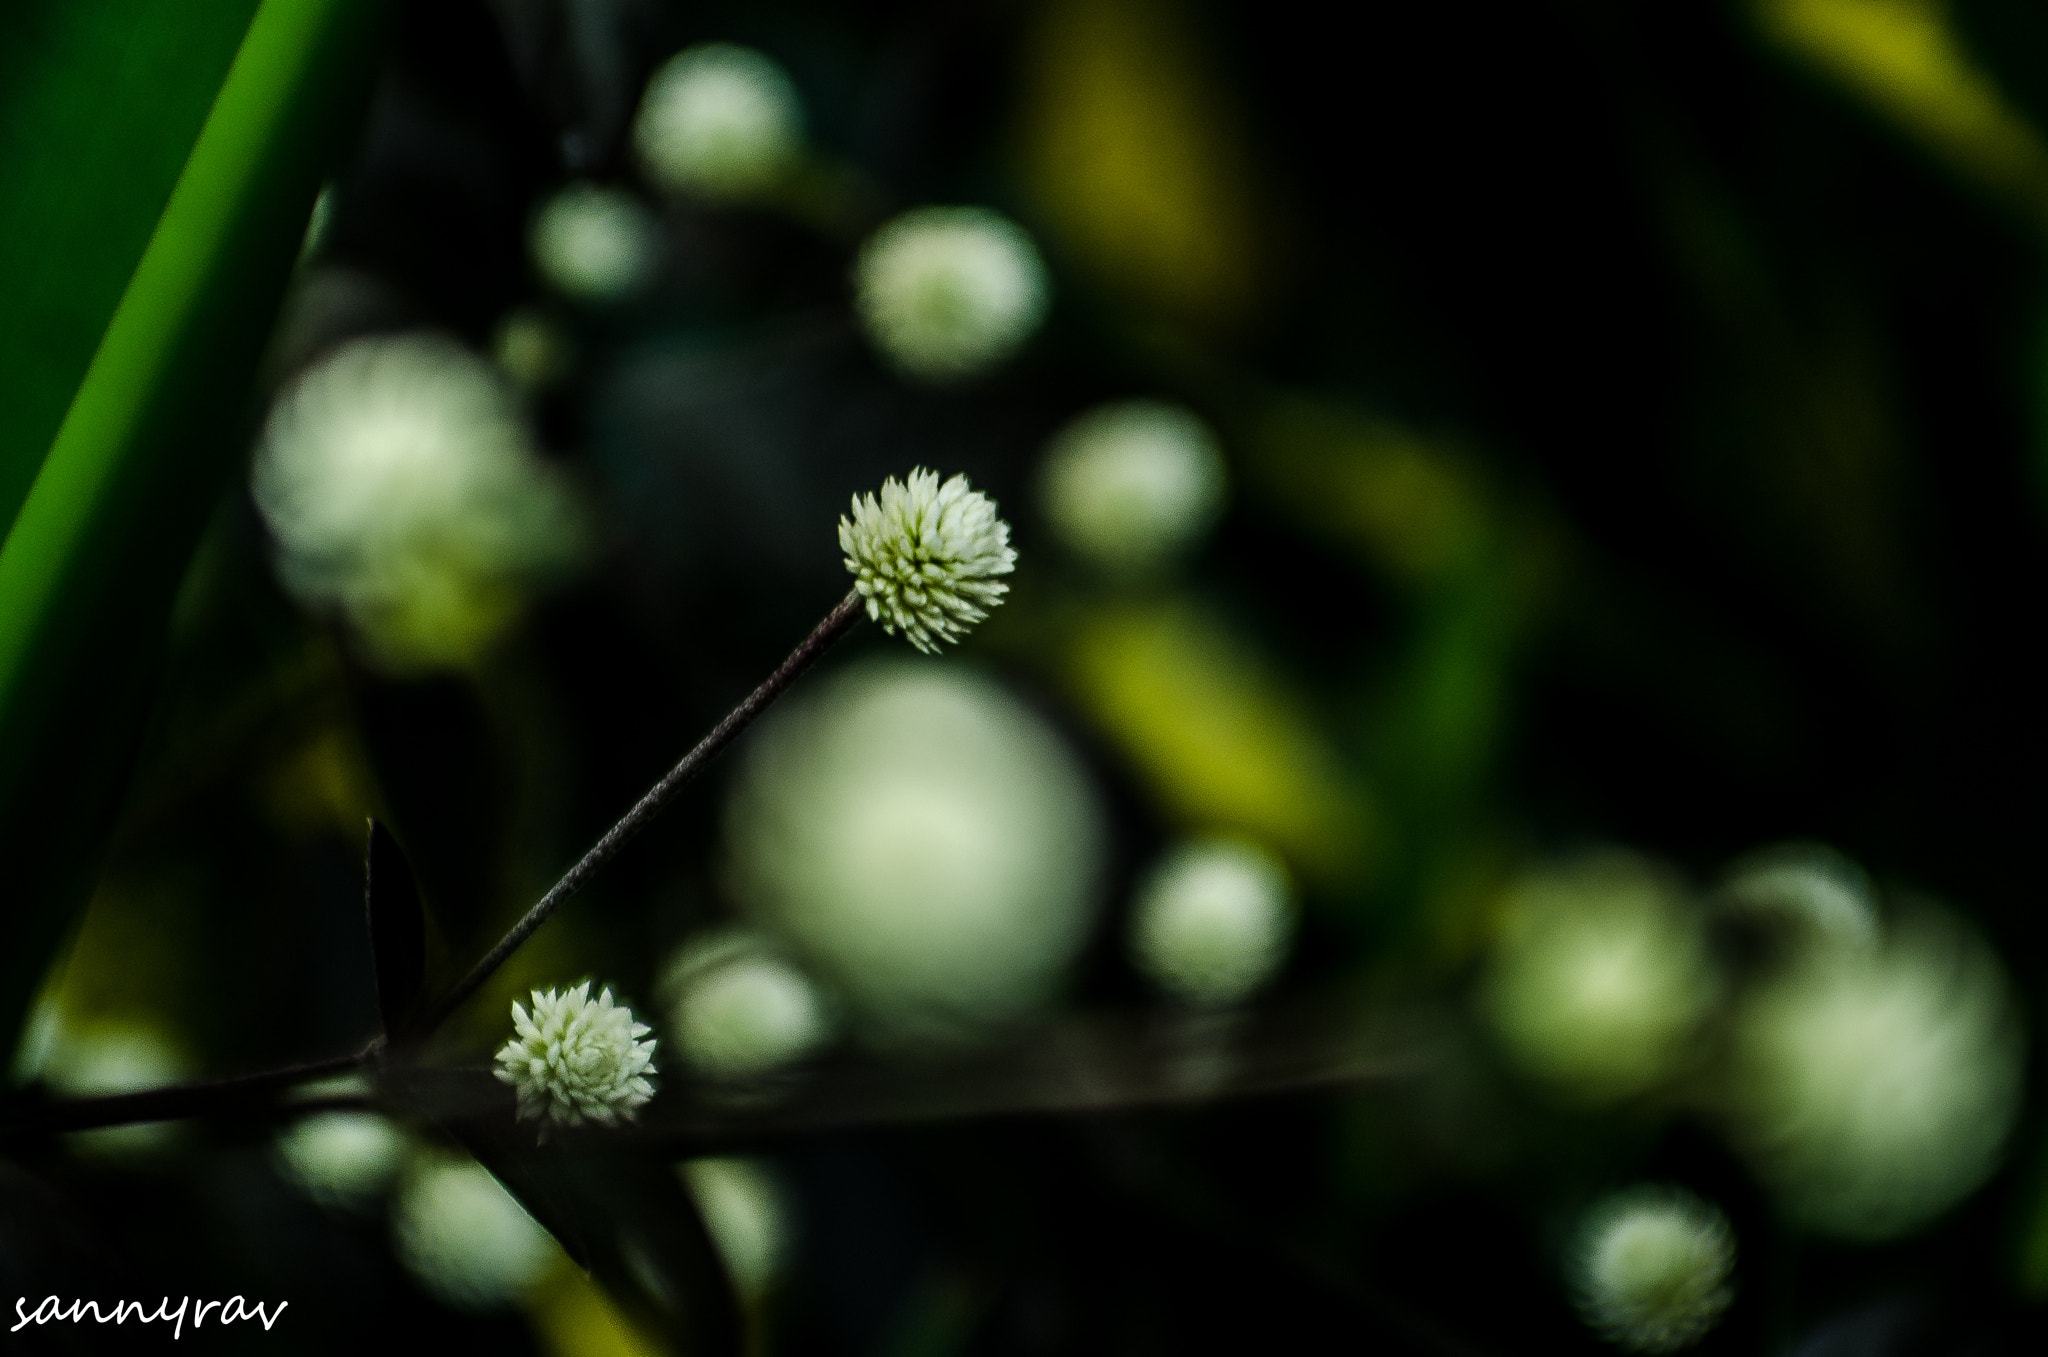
(1873, 1087)
(1131, 486)
(401, 485)
(1212, 921)
(595, 244)
(575, 1059)
(1652, 1269)
(928, 558)
(948, 292)
(926, 843)
(1600, 978)
(738, 1009)
(720, 121)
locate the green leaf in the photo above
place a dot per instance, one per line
(89, 569)
(99, 106)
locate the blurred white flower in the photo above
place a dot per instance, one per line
(1803, 895)
(1212, 921)
(927, 557)
(720, 121)
(738, 1009)
(401, 486)
(1129, 487)
(949, 292)
(746, 1213)
(575, 1058)
(1874, 1087)
(595, 244)
(341, 1158)
(1600, 977)
(924, 839)
(1652, 1268)
(464, 1236)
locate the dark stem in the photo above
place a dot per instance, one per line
(836, 624)
(213, 1095)
(179, 1100)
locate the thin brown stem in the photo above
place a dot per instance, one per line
(212, 1096)
(836, 624)
(177, 1101)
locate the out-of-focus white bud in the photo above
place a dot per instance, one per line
(739, 1009)
(747, 1214)
(341, 1158)
(949, 292)
(1600, 977)
(1652, 1268)
(464, 1236)
(719, 121)
(1874, 1087)
(1131, 486)
(401, 485)
(1212, 921)
(595, 244)
(924, 840)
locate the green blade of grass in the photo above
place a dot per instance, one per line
(99, 106)
(89, 569)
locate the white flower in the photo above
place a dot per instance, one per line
(1873, 1087)
(1130, 486)
(924, 840)
(1212, 921)
(1802, 896)
(595, 244)
(401, 485)
(575, 1058)
(341, 1158)
(948, 292)
(719, 120)
(927, 557)
(737, 1009)
(1652, 1268)
(464, 1236)
(1600, 978)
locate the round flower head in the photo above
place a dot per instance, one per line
(595, 244)
(1129, 487)
(1600, 977)
(1872, 1087)
(947, 292)
(719, 121)
(1652, 1268)
(1212, 921)
(739, 1010)
(401, 485)
(575, 1058)
(928, 844)
(927, 557)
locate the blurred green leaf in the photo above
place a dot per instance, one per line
(99, 106)
(90, 568)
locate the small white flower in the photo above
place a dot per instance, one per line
(927, 557)
(341, 1158)
(947, 292)
(1652, 1268)
(1129, 487)
(719, 120)
(575, 1058)
(739, 1010)
(1212, 921)
(595, 244)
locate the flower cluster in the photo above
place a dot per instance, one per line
(1653, 1268)
(927, 556)
(575, 1058)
